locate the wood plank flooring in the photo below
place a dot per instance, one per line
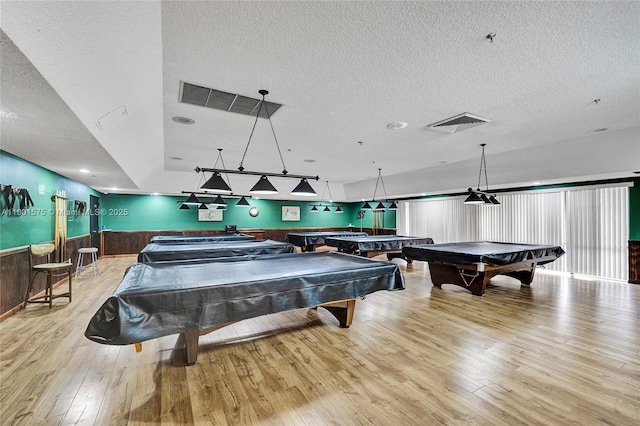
(563, 351)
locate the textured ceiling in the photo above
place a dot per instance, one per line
(343, 71)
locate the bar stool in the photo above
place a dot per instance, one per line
(39, 250)
(94, 259)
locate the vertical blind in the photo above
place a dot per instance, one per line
(591, 225)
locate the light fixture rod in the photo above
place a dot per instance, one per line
(263, 92)
(209, 194)
(477, 191)
(248, 172)
(483, 163)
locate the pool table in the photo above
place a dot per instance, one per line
(308, 241)
(375, 244)
(189, 239)
(193, 298)
(472, 264)
(183, 251)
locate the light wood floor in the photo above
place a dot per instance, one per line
(564, 351)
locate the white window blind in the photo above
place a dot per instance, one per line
(591, 225)
(598, 223)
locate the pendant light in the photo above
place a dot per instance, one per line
(478, 196)
(264, 187)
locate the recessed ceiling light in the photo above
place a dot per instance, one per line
(114, 189)
(183, 120)
(176, 158)
(536, 183)
(309, 161)
(397, 125)
(84, 171)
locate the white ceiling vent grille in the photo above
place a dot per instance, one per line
(458, 123)
(231, 102)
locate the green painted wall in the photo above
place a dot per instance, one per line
(36, 224)
(634, 211)
(141, 212)
(159, 212)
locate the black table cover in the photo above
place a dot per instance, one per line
(189, 239)
(302, 239)
(173, 252)
(490, 253)
(375, 242)
(159, 299)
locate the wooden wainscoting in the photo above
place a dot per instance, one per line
(15, 273)
(117, 243)
(634, 262)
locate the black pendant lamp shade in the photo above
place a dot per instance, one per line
(192, 200)
(314, 209)
(339, 210)
(366, 206)
(304, 189)
(219, 201)
(326, 209)
(473, 198)
(263, 187)
(243, 203)
(392, 206)
(216, 184)
(184, 206)
(494, 201)
(203, 206)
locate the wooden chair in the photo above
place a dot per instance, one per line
(51, 269)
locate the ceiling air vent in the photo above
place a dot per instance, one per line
(231, 102)
(458, 123)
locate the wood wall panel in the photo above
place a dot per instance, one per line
(14, 269)
(634, 262)
(115, 243)
(15, 273)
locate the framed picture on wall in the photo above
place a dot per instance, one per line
(291, 213)
(211, 215)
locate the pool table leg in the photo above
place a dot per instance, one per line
(190, 341)
(343, 311)
(450, 274)
(524, 276)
